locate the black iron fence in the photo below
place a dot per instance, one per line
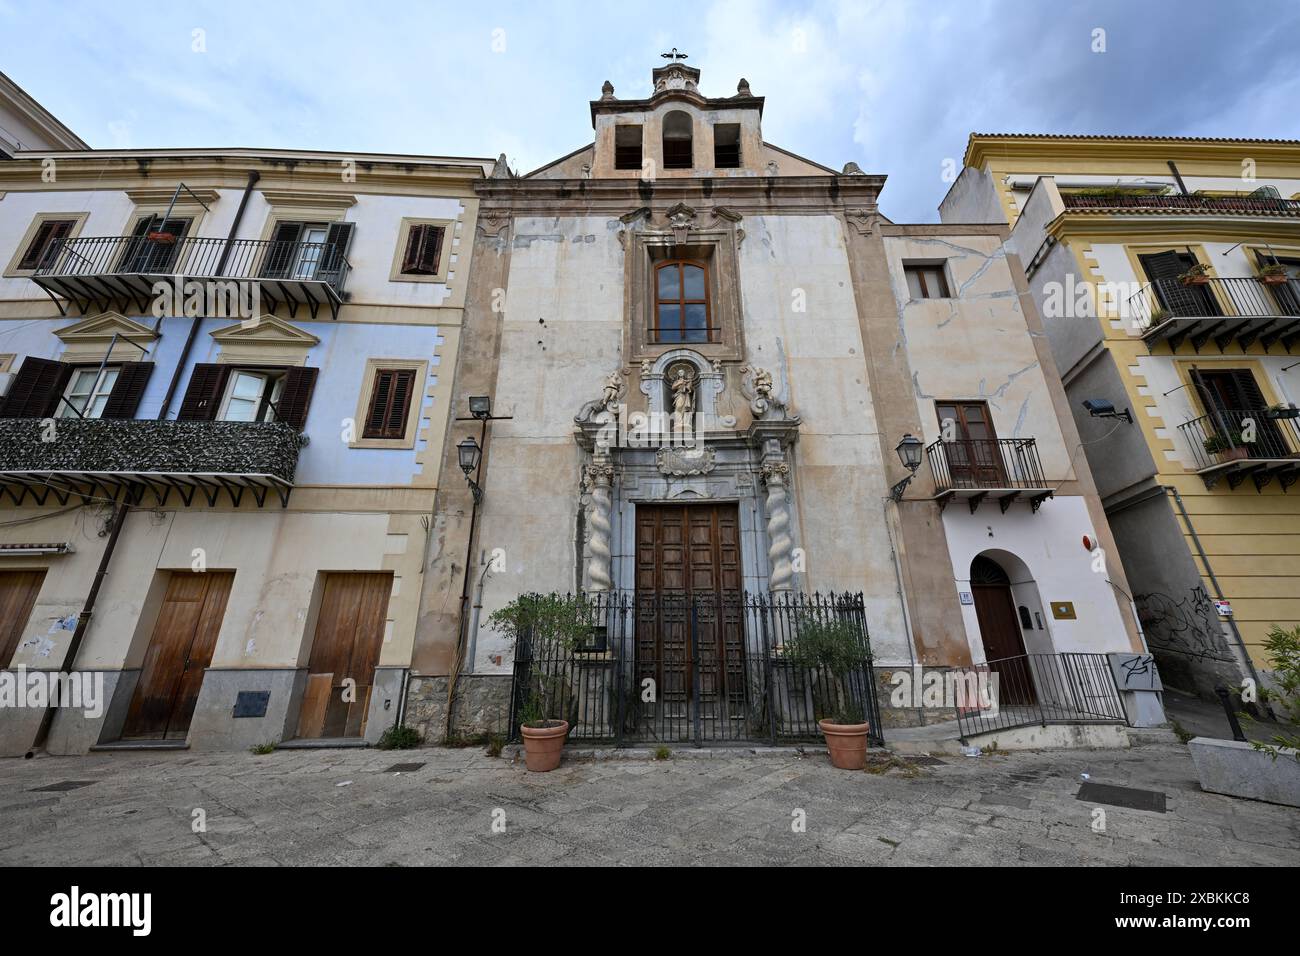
(1163, 300)
(986, 463)
(106, 256)
(1206, 205)
(669, 667)
(1036, 689)
(1229, 434)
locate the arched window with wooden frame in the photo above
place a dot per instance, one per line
(683, 311)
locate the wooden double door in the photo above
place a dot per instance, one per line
(344, 654)
(18, 590)
(689, 628)
(178, 655)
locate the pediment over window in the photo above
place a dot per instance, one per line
(100, 329)
(265, 330)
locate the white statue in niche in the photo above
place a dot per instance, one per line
(683, 400)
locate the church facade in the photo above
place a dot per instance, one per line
(694, 362)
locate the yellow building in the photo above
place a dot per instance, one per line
(1166, 270)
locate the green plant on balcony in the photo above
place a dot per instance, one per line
(1114, 192)
(1275, 273)
(1159, 316)
(1220, 444)
(1198, 274)
(1282, 410)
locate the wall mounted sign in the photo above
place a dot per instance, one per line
(966, 597)
(251, 703)
(1223, 608)
(1063, 611)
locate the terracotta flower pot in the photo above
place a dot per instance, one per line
(847, 744)
(1274, 278)
(542, 745)
(1196, 280)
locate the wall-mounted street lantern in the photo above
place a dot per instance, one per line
(469, 453)
(909, 451)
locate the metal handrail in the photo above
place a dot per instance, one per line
(197, 257)
(986, 463)
(1178, 203)
(1232, 434)
(1165, 299)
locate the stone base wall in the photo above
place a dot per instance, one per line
(481, 707)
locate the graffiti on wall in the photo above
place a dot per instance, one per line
(1188, 626)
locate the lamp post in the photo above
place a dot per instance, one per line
(909, 453)
(469, 453)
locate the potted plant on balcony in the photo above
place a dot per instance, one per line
(1159, 316)
(544, 631)
(1282, 410)
(1227, 447)
(832, 649)
(1273, 274)
(1198, 274)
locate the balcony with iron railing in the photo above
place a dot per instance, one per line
(1223, 311)
(1256, 443)
(1008, 469)
(138, 460)
(1258, 204)
(104, 271)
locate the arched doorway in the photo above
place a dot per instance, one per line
(999, 621)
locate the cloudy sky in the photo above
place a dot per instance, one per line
(895, 86)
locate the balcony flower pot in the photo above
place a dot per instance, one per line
(1273, 274)
(1198, 274)
(847, 743)
(166, 238)
(1277, 412)
(543, 744)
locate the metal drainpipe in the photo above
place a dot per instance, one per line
(1218, 591)
(253, 177)
(83, 619)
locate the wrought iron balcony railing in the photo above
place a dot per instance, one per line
(88, 458)
(103, 270)
(1203, 205)
(1008, 468)
(1040, 689)
(1253, 441)
(1242, 310)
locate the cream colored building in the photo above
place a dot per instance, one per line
(1199, 488)
(227, 388)
(682, 264)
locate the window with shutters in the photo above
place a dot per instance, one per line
(87, 392)
(392, 393)
(252, 395)
(150, 250)
(39, 246)
(248, 394)
(423, 251)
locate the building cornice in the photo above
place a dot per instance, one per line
(1041, 151)
(1076, 225)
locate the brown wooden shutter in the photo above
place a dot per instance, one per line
(390, 403)
(124, 399)
(35, 390)
(281, 251)
(423, 250)
(299, 383)
(203, 397)
(46, 233)
(338, 240)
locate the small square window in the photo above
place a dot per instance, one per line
(423, 250)
(390, 403)
(627, 146)
(42, 247)
(926, 281)
(726, 146)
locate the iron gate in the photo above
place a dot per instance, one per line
(679, 668)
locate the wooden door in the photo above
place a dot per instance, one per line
(1004, 646)
(344, 653)
(689, 574)
(179, 653)
(974, 456)
(18, 590)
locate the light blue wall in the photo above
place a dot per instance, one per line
(341, 357)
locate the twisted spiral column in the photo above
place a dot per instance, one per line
(599, 477)
(779, 543)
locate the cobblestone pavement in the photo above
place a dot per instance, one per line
(335, 807)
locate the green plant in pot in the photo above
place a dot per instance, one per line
(546, 629)
(1198, 274)
(1230, 445)
(1282, 410)
(1273, 274)
(833, 649)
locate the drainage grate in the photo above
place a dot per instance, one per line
(62, 785)
(1128, 797)
(404, 768)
